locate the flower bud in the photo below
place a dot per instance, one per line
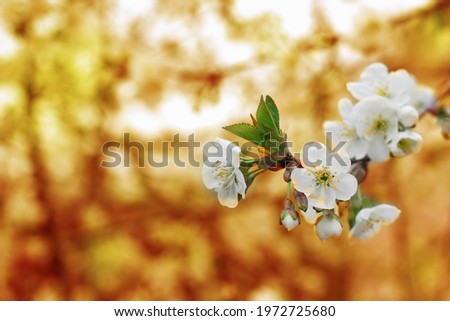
(288, 204)
(406, 143)
(288, 217)
(328, 225)
(287, 175)
(301, 200)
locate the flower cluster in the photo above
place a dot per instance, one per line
(380, 124)
(322, 181)
(325, 181)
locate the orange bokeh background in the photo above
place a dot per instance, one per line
(77, 74)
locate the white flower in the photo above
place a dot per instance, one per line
(356, 146)
(328, 225)
(324, 178)
(424, 98)
(369, 220)
(408, 115)
(406, 143)
(376, 120)
(289, 219)
(221, 173)
(398, 86)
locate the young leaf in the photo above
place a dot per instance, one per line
(268, 116)
(247, 131)
(273, 110)
(271, 138)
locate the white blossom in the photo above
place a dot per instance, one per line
(344, 131)
(376, 80)
(328, 225)
(406, 143)
(369, 220)
(222, 174)
(408, 116)
(324, 178)
(377, 121)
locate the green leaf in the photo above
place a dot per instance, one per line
(271, 139)
(268, 116)
(265, 128)
(247, 131)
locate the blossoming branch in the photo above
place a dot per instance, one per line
(323, 181)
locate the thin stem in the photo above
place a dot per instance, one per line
(359, 196)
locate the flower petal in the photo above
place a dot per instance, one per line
(328, 225)
(392, 130)
(338, 133)
(367, 111)
(360, 90)
(312, 155)
(408, 115)
(338, 161)
(335, 129)
(228, 196)
(235, 157)
(402, 87)
(375, 71)
(406, 143)
(213, 155)
(378, 150)
(241, 185)
(322, 197)
(289, 219)
(363, 214)
(228, 152)
(364, 229)
(303, 180)
(346, 186)
(345, 108)
(358, 148)
(385, 213)
(210, 177)
(369, 220)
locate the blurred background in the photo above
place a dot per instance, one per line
(77, 74)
